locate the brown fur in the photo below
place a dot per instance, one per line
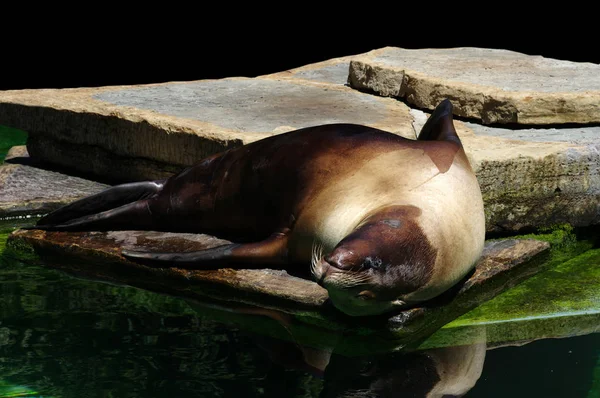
(400, 220)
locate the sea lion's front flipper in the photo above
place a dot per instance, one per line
(440, 126)
(270, 251)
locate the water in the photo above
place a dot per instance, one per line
(567, 367)
(65, 337)
(8, 138)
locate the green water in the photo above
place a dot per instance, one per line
(8, 138)
(65, 337)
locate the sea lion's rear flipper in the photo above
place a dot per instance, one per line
(111, 198)
(134, 215)
(272, 250)
(440, 126)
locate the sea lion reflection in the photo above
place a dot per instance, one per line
(437, 373)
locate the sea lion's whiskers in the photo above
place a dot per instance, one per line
(316, 257)
(320, 249)
(349, 279)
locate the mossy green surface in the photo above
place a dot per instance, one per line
(5, 231)
(23, 252)
(562, 300)
(10, 137)
(564, 243)
(567, 285)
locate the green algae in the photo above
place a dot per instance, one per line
(562, 300)
(15, 249)
(5, 231)
(563, 241)
(10, 137)
(568, 284)
(572, 287)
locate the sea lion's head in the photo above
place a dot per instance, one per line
(376, 267)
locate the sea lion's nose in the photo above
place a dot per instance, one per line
(340, 259)
(333, 261)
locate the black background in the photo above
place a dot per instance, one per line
(76, 50)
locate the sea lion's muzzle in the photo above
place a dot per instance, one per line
(330, 274)
(324, 267)
(322, 270)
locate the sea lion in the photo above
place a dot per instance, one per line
(384, 221)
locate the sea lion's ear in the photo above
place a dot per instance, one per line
(439, 126)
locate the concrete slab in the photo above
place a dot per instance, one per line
(529, 177)
(533, 177)
(257, 105)
(332, 71)
(26, 190)
(494, 86)
(149, 132)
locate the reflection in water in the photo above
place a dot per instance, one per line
(435, 373)
(66, 337)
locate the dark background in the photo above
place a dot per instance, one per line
(181, 44)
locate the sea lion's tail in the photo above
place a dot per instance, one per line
(104, 208)
(440, 126)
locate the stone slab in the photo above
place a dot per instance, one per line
(26, 190)
(493, 86)
(331, 71)
(16, 152)
(534, 177)
(96, 255)
(529, 177)
(149, 132)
